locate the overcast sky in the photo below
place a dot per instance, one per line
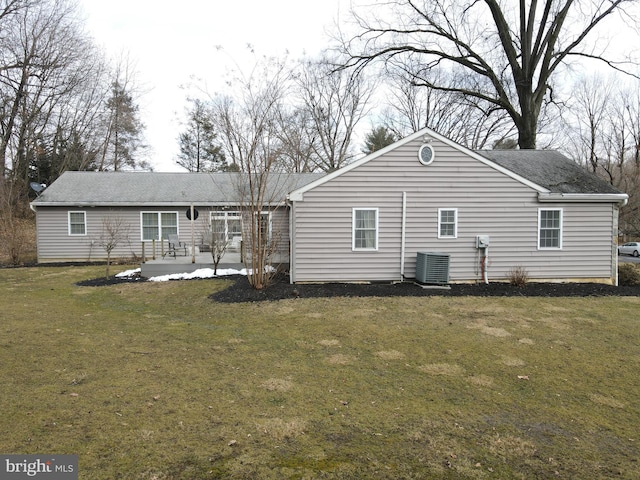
(171, 42)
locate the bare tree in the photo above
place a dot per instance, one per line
(10, 7)
(9, 10)
(509, 51)
(602, 128)
(114, 232)
(218, 239)
(622, 150)
(72, 138)
(336, 101)
(46, 59)
(601, 123)
(588, 118)
(297, 140)
(470, 122)
(248, 126)
(16, 223)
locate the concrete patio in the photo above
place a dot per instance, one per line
(169, 264)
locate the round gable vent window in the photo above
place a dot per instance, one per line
(426, 154)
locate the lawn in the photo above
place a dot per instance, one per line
(157, 381)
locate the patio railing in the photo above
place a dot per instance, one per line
(154, 246)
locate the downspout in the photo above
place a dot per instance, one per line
(485, 267)
(292, 269)
(614, 247)
(33, 209)
(403, 234)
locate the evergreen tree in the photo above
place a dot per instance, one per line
(199, 151)
(124, 132)
(377, 139)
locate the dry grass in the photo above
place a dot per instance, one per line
(442, 369)
(391, 355)
(17, 240)
(155, 381)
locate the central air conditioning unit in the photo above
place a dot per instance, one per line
(433, 268)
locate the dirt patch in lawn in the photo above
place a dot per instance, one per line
(390, 355)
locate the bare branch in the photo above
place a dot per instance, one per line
(516, 48)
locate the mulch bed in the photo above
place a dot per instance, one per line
(240, 291)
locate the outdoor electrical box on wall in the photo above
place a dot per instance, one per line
(482, 241)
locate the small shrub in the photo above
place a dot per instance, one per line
(115, 232)
(518, 276)
(628, 275)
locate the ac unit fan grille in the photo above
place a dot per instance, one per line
(432, 268)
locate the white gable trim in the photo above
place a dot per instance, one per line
(298, 195)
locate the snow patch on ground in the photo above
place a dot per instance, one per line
(200, 273)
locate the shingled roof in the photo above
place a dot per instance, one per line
(547, 169)
(161, 189)
(551, 170)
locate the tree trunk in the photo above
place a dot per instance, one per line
(8, 131)
(526, 135)
(527, 121)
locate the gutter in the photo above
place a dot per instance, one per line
(621, 198)
(184, 204)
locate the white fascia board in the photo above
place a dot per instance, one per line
(134, 205)
(621, 198)
(489, 163)
(298, 195)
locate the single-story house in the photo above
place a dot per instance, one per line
(81, 212)
(482, 213)
(422, 208)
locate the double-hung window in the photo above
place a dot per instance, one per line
(157, 225)
(550, 228)
(77, 223)
(447, 223)
(365, 229)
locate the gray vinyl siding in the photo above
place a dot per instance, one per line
(56, 245)
(279, 235)
(488, 203)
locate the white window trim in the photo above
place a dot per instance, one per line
(455, 224)
(426, 146)
(353, 229)
(84, 220)
(561, 228)
(159, 214)
(226, 215)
